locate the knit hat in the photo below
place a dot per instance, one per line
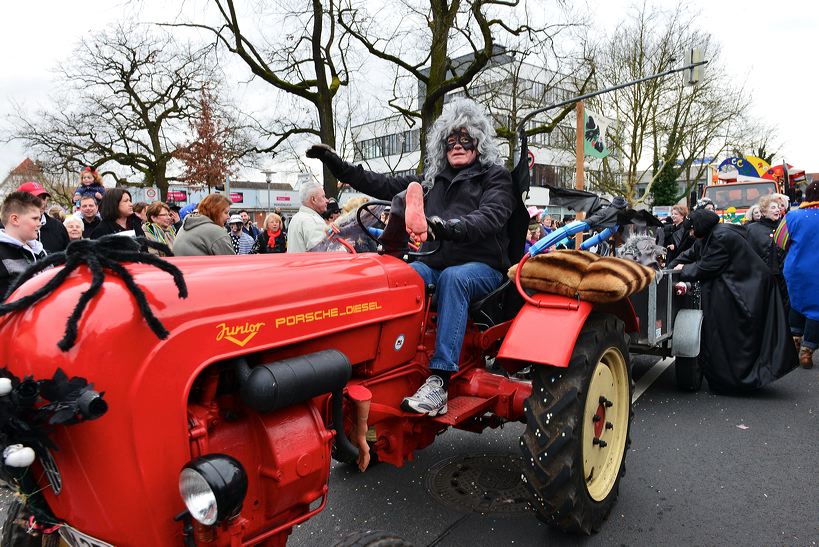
(703, 221)
(235, 219)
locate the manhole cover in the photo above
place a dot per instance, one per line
(482, 483)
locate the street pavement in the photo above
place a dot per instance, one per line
(703, 469)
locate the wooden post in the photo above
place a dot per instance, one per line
(579, 155)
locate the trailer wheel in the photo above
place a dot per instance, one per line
(15, 535)
(577, 430)
(688, 372)
(372, 538)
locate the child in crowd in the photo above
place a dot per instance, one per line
(90, 185)
(19, 246)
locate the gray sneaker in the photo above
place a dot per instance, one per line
(430, 398)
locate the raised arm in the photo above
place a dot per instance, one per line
(374, 184)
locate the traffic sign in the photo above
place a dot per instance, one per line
(150, 193)
(531, 159)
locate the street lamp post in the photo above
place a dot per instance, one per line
(268, 175)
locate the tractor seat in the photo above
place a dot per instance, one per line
(498, 306)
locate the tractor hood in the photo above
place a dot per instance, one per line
(263, 300)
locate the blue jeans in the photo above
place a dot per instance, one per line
(456, 287)
(808, 329)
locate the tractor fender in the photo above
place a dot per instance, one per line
(545, 334)
(685, 341)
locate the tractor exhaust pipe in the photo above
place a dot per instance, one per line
(280, 384)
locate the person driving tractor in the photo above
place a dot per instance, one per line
(469, 197)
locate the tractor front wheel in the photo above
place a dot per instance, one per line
(577, 430)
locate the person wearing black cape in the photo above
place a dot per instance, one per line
(746, 342)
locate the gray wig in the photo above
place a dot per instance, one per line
(466, 114)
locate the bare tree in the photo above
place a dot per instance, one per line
(420, 36)
(217, 145)
(677, 124)
(304, 61)
(127, 97)
(523, 83)
(759, 138)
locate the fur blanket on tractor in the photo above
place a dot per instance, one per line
(584, 275)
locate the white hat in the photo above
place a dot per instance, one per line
(235, 219)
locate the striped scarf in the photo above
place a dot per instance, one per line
(155, 232)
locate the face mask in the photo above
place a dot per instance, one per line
(462, 138)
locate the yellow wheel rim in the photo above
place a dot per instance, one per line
(605, 424)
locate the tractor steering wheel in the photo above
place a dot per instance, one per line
(366, 208)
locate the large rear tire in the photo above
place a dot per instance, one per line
(688, 372)
(577, 430)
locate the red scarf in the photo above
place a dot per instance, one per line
(271, 237)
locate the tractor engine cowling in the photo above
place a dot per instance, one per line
(267, 419)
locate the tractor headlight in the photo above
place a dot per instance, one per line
(213, 488)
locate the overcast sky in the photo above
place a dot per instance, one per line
(772, 47)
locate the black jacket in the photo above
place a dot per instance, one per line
(746, 341)
(760, 236)
(107, 227)
(261, 246)
(14, 259)
(480, 196)
(679, 237)
(53, 235)
(89, 227)
(761, 239)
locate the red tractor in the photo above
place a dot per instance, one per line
(222, 432)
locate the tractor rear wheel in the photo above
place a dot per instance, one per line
(688, 372)
(577, 429)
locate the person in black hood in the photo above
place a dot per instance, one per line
(468, 196)
(761, 238)
(746, 342)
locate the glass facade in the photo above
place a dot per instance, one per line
(388, 145)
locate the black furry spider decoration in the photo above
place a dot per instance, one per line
(108, 252)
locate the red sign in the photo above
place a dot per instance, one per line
(177, 196)
(531, 159)
(282, 198)
(237, 197)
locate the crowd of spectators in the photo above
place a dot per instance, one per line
(99, 212)
(783, 238)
